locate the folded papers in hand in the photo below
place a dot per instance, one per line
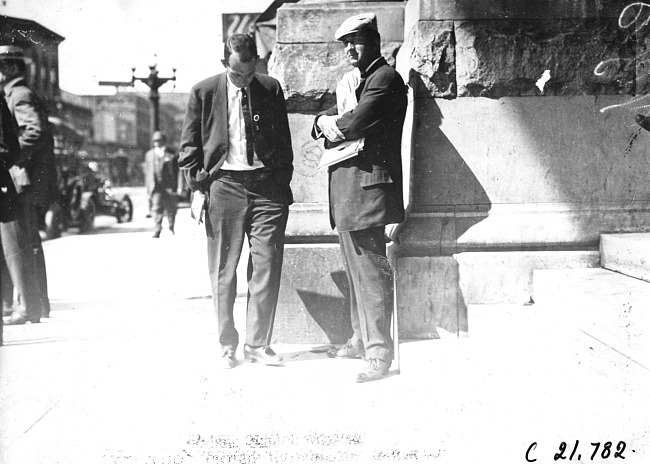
(343, 151)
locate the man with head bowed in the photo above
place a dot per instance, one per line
(365, 190)
(237, 158)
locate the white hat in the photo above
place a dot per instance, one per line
(357, 23)
(12, 52)
(158, 136)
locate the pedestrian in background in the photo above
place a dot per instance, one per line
(161, 179)
(365, 189)
(237, 156)
(34, 175)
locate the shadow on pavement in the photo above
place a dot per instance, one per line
(119, 229)
(314, 353)
(38, 341)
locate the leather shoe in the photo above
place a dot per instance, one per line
(349, 350)
(156, 235)
(375, 369)
(229, 360)
(18, 319)
(262, 354)
(643, 121)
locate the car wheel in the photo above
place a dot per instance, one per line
(53, 221)
(87, 219)
(124, 211)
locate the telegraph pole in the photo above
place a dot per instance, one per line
(154, 82)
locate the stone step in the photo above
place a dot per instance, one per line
(626, 253)
(612, 308)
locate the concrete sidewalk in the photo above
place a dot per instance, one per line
(126, 371)
(139, 383)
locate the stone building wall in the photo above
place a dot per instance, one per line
(521, 145)
(524, 148)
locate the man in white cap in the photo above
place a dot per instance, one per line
(161, 181)
(34, 175)
(365, 190)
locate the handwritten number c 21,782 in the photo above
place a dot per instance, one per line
(605, 451)
(600, 451)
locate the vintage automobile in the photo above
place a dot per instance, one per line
(82, 198)
(83, 192)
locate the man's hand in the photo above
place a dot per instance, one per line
(197, 207)
(327, 124)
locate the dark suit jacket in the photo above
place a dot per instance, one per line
(36, 142)
(366, 190)
(168, 171)
(204, 139)
(9, 152)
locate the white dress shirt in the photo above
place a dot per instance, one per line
(236, 159)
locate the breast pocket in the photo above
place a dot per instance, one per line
(378, 176)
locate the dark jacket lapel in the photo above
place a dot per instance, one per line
(364, 75)
(259, 95)
(220, 110)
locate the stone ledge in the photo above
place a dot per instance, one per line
(310, 222)
(514, 9)
(507, 58)
(428, 57)
(626, 253)
(519, 227)
(309, 72)
(531, 151)
(483, 58)
(429, 301)
(507, 277)
(313, 305)
(316, 23)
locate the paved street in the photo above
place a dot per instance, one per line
(125, 372)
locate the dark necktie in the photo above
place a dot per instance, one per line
(248, 124)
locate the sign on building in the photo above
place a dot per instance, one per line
(238, 23)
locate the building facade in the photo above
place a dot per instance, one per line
(41, 46)
(520, 146)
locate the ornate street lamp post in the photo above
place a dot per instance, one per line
(153, 81)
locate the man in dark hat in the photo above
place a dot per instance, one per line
(365, 190)
(161, 180)
(34, 173)
(237, 156)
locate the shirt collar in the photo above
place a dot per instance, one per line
(233, 90)
(370, 67)
(12, 83)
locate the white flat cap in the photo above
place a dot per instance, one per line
(11, 52)
(356, 23)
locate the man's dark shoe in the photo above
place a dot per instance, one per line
(229, 360)
(18, 319)
(156, 235)
(350, 351)
(375, 369)
(643, 121)
(262, 354)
